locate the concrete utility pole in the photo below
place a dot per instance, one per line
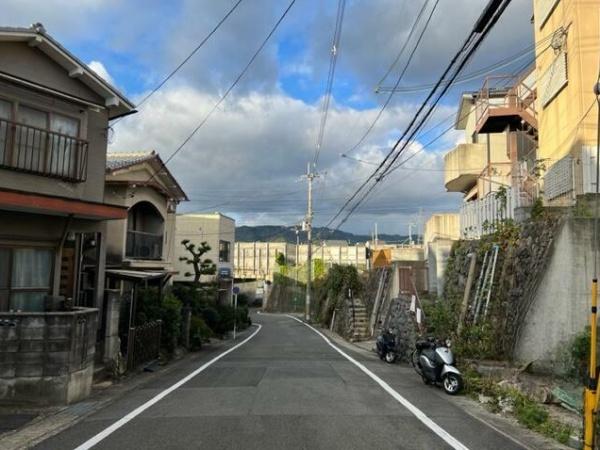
(310, 176)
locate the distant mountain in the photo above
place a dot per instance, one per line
(277, 233)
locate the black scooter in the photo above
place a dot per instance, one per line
(387, 347)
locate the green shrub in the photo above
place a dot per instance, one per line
(199, 332)
(211, 317)
(578, 355)
(150, 306)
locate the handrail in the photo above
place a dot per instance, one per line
(30, 149)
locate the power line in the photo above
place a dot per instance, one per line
(187, 58)
(231, 87)
(483, 26)
(401, 75)
(332, 64)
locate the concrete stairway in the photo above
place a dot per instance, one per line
(359, 321)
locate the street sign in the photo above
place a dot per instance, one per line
(236, 290)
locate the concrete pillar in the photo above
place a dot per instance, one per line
(112, 343)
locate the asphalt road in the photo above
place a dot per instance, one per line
(285, 388)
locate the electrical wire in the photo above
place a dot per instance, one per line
(402, 72)
(230, 88)
(394, 154)
(332, 64)
(186, 59)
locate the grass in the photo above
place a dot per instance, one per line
(527, 411)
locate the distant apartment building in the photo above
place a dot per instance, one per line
(218, 231)
(54, 116)
(259, 259)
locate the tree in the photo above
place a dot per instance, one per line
(200, 266)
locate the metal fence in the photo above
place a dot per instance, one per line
(143, 343)
(479, 216)
(36, 150)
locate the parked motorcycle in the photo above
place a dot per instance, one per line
(435, 362)
(387, 347)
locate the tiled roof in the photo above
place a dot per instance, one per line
(115, 161)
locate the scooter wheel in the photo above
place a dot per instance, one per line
(452, 383)
(390, 357)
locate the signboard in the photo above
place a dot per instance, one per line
(236, 290)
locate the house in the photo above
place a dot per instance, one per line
(140, 248)
(54, 119)
(145, 239)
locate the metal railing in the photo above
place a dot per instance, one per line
(143, 344)
(143, 245)
(505, 92)
(36, 150)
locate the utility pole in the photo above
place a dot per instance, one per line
(310, 176)
(296, 264)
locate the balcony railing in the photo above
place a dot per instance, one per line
(506, 95)
(143, 245)
(36, 150)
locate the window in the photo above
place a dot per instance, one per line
(544, 10)
(41, 141)
(5, 114)
(224, 250)
(553, 79)
(25, 278)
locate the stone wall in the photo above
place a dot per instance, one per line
(47, 358)
(524, 254)
(403, 324)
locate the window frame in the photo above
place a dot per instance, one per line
(227, 245)
(9, 289)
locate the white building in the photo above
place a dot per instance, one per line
(217, 230)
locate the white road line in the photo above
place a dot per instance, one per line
(140, 409)
(443, 434)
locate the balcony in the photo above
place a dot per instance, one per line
(35, 150)
(463, 165)
(144, 245)
(506, 102)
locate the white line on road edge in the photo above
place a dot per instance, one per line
(140, 409)
(447, 437)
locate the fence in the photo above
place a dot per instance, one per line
(143, 343)
(36, 150)
(476, 216)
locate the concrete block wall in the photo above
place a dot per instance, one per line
(47, 358)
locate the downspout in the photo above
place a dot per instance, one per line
(58, 257)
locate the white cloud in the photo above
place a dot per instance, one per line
(99, 68)
(250, 155)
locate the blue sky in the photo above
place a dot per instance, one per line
(251, 153)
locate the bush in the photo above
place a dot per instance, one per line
(211, 317)
(199, 332)
(150, 306)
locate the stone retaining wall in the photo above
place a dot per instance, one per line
(47, 358)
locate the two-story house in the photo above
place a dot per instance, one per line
(141, 245)
(54, 122)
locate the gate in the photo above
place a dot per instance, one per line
(143, 343)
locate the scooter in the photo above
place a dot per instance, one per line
(387, 347)
(435, 362)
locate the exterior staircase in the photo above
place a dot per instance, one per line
(359, 321)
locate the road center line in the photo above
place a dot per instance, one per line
(140, 409)
(443, 434)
